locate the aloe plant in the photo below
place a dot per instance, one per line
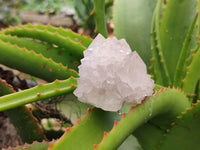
(166, 36)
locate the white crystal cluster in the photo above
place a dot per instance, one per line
(112, 76)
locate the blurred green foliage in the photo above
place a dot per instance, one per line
(84, 10)
(46, 6)
(9, 10)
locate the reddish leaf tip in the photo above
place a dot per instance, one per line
(95, 146)
(50, 146)
(69, 128)
(40, 84)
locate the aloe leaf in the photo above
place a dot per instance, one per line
(99, 16)
(198, 22)
(198, 89)
(37, 93)
(5, 88)
(177, 17)
(93, 124)
(61, 46)
(87, 131)
(145, 133)
(185, 132)
(190, 55)
(85, 41)
(158, 68)
(170, 102)
(96, 123)
(132, 21)
(22, 118)
(180, 70)
(57, 54)
(193, 74)
(22, 59)
(51, 37)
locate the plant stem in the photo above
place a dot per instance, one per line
(99, 15)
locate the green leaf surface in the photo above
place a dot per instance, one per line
(158, 68)
(99, 16)
(88, 131)
(193, 75)
(180, 69)
(169, 102)
(32, 63)
(37, 93)
(84, 41)
(185, 132)
(176, 19)
(132, 21)
(149, 136)
(59, 55)
(50, 37)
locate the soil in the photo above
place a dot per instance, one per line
(8, 133)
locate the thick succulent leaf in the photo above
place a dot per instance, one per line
(59, 55)
(37, 93)
(52, 52)
(88, 131)
(168, 103)
(193, 74)
(198, 89)
(158, 68)
(93, 124)
(180, 69)
(132, 21)
(85, 41)
(59, 38)
(149, 135)
(32, 63)
(5, 88)
(185, 132)
(99, 16)
(174, 24)
(97, 123)
(198, 22)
